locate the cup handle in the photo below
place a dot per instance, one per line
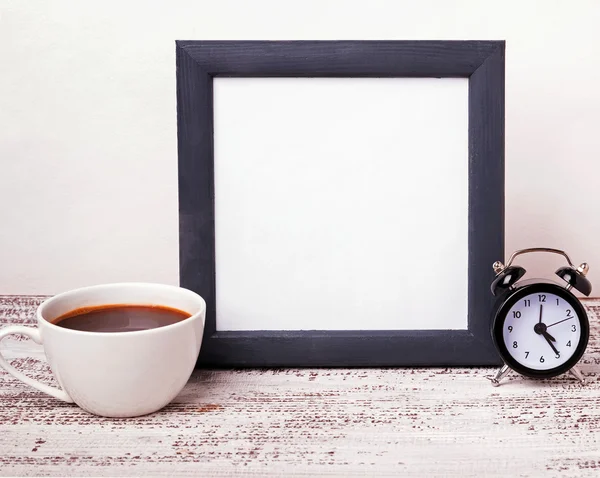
(33, 334)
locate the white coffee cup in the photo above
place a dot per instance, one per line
(117, 374)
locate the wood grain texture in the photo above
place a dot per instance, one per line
(196, 180)
(357, 58)
(480, 61)
(310, 422)
(486, 189)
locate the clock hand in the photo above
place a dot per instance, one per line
(541, 307)
(556, 323)
(549, 336)
(549, 339)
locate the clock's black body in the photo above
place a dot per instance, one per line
(515, 293)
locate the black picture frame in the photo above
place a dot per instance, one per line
(482, 62)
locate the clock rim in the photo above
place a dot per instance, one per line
(501, 314)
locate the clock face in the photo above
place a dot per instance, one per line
(544, 330)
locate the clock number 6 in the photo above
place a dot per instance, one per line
(542, 359)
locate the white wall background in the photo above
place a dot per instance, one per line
(88, 160)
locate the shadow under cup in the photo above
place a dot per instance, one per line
(123, 374)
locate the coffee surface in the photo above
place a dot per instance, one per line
(120, 318)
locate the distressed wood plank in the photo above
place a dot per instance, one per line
(309, 422)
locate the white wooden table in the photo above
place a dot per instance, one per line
(310, 422)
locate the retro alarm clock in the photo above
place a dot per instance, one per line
(539, 327)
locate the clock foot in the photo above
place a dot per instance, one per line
(575, 372)
(503, 372)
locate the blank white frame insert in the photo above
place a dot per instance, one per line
(341, 203)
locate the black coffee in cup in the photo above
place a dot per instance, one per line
(120, 318)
